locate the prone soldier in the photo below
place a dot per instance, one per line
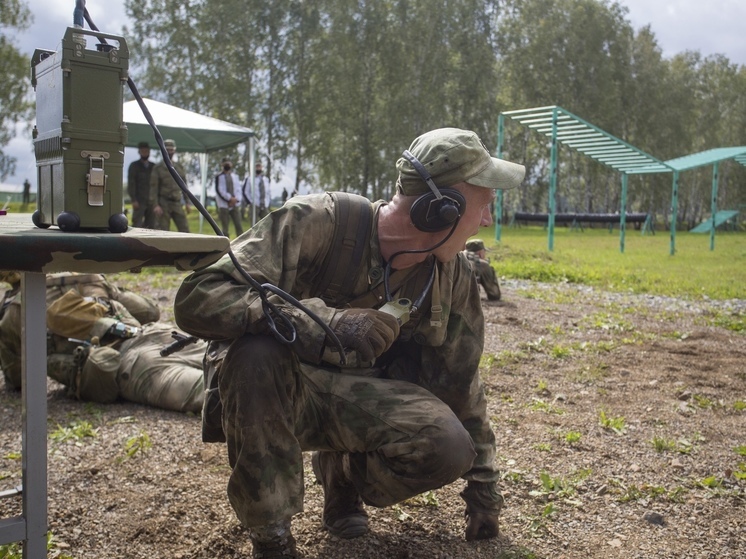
(104, 343)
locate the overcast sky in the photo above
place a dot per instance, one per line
(710, 26)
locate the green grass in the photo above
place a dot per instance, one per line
(593, 258)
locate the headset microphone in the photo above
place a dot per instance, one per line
(438, 209)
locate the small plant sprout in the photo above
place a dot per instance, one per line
(616, 424)
(541, 405)
(542, 387)
(400, 514)
(572, 437)
(661, 444)
(76, 431)
(739, 405)
(740, 450)
(560, 352)
(543, 447)
(139, 443)
(740, 473)
(703, 401)
(513, 476)
(554, 484)
(426, 499)
(710, 482)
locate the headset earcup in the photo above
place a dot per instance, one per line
(430, 214)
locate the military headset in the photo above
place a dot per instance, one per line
(438, 209)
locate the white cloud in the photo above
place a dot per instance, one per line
(713, 27)
(52, 17)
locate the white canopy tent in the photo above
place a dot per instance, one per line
(192, 132)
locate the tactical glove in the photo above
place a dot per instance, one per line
(367, 331)
(483, 504)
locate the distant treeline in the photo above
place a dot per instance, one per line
(336, 89)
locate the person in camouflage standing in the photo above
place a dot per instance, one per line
(406, 411)
(476, 253)
(166, 197)
(104, 343)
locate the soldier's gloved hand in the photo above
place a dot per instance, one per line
(367, 331)
(483, 504)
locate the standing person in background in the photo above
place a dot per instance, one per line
(261, 188)
(26, 191)
(138, 188)
(476, 253)
(166, 196)
(226, 184)
(284, 195)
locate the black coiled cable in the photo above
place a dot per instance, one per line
(271, 312)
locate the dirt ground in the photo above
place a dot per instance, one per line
(620, 425)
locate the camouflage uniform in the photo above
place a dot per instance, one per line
(486, 275)
(10, 331)
(165, 192)
(138, 372)
(412, 421)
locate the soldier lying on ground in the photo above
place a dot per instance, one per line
(104, 343)
(476, 253)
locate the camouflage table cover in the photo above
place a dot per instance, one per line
(25, 247)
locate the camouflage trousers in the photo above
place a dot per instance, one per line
(143, 216)
(227, 215)
(173, 382)
(172, 210)
(401, 439)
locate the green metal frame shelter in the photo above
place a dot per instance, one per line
(569, 130)
(709, 157)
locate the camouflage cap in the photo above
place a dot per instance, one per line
(475, 245)
(452, 156)
(169, 144)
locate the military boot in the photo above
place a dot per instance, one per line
(273, 541)
(344, 515)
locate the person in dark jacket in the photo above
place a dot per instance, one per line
(138, 188)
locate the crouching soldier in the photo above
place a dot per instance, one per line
(476, 253)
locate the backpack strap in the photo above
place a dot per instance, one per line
(353, 215)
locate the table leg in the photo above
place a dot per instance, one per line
(34, 410)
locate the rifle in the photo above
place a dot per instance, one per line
(181, 341)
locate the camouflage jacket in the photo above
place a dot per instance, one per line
(163, 187)
(439, 349)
